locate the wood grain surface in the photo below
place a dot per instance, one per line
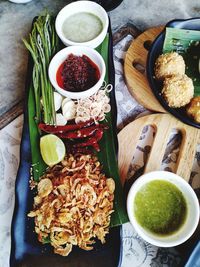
(135, 66)
(163, 125)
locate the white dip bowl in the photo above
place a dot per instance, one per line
(192, 216)
(79, 7)
(62, 55)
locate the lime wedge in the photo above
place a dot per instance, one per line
(52, 149)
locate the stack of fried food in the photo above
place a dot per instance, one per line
(178, 88)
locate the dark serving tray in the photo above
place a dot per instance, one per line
(26, 250)
(155, 51)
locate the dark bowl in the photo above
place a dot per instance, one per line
(155, 51)
(109, 5)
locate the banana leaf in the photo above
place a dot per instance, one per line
(187, 44)
(107, 155)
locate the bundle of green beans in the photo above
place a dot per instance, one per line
(43, 44)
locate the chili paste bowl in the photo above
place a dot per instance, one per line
(77, 72)
(153, 205)
(82, 23)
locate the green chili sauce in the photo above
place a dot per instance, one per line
(160, 207)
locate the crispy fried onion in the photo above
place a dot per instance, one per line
(73, 204)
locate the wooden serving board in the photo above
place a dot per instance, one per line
(136, 80)
(163, 125)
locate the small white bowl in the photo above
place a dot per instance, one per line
(77, 7)
(62, 55)
(192, 217)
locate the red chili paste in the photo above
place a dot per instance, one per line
(77, 73)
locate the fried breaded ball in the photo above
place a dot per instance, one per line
(169, 64)
(193, 109)
(178, 90)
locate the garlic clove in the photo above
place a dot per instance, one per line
(57, 100)
(69, 110)
(65, 100)
(60, 119)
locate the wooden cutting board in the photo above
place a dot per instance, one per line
(163, 124)
(135, 70)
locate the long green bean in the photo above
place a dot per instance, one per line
(43, 44)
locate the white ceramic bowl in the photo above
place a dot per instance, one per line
(77, 7)
(60, 57)
(192, 217)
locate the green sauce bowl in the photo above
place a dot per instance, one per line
(163, 208)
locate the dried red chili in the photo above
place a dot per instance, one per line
(82, 133)
(66, 128)
(92, 141)
(88, 133)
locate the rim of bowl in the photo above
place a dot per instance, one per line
(171, 177)
(77, 4)
(20, 1)
(53, 68)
